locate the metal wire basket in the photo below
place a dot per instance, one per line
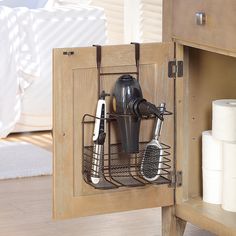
(118, 169)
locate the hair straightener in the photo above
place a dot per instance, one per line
(99, 135)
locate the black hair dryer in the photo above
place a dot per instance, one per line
(129, 106)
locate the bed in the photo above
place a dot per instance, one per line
(26, 41)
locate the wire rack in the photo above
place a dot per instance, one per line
(118, 169)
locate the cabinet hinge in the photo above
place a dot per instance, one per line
(175, 69)
(175, 179)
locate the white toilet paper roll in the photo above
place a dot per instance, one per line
(212, 186)
(224, 120)
(212, 150)
(229, 194)
(229, 160)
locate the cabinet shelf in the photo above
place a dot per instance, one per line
(208, 216)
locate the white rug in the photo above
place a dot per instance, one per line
(22, 159)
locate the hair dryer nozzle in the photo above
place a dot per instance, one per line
(146, 109)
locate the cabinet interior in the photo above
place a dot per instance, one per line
(211, 76)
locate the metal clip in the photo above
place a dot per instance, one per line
(68, 53)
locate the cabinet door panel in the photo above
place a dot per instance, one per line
(75, 93)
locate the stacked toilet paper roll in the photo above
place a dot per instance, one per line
(212, 150)
(229, 177)
(224, 129)
(224, 120)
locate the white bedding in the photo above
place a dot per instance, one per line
(30, 63)
(10, 92)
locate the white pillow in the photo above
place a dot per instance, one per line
(53, 3)
(74, 2)
(41, 3)
(23, 3)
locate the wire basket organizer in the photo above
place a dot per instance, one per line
(118, 169)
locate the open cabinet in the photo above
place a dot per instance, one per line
(207, 33)
(208, 76)
(207, 59)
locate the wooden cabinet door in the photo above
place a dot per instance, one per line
(75, 93)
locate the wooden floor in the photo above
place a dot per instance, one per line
(41, 139)
(25, 210)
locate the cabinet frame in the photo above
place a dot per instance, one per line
(205, 64)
